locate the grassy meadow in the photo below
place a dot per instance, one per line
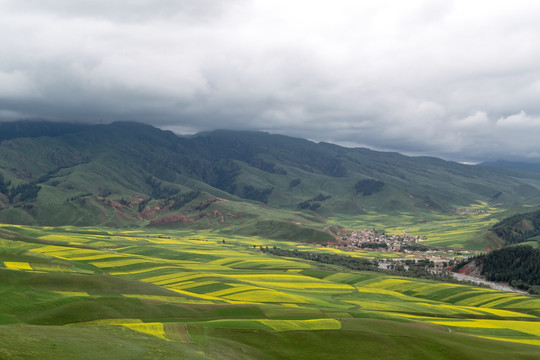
(90, 293)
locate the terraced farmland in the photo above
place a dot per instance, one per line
(136, 294)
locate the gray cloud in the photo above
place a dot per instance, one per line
(456, 79)
(131, 10)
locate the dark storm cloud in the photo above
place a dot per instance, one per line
(457, 79)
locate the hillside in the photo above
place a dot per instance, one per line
(516, 265)
(130, 174)
(517, 261)
(87, 293)
(518, 228)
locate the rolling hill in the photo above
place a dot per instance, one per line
(86, 293)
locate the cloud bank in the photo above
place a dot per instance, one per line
(455, 79)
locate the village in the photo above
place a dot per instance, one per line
(469, 211)
(377, 240)
(410, 246)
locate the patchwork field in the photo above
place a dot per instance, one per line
(101, 293)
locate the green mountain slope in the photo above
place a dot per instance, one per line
(518, 228)
(516, 265)
(134, 174)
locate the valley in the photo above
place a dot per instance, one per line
(125, 241)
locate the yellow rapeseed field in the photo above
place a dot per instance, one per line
(175, 278)
(69, 253)
(155, 329)
(283, 277)
(152, 328)
(529, 327)
(140, 271)
(480, 297)
(191, 284)
(17, 265)
(505, 313)
(99, 256)
(196, 296)
(395, 294)
(234, 289)
(520, 341)
(497, 299)
(59, 237)
(266, 296)
(258, 262)
(305, 285)
(120, 262)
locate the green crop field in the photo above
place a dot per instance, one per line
(90, 293)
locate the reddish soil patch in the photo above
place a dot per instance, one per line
(471, 269)
(174, 218)
(110, 203)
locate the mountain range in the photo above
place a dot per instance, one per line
(133, 174)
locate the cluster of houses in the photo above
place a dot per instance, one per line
(371, 238)
(408, 245)
(470, 211)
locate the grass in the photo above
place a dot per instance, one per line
(312, 324)
(202, 295)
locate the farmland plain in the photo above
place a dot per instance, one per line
(135, 294)
(464, 228)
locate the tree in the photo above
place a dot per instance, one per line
(4, 186)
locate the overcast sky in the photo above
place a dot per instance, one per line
(454, 79)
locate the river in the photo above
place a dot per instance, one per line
(384, 265)
(491, 284)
